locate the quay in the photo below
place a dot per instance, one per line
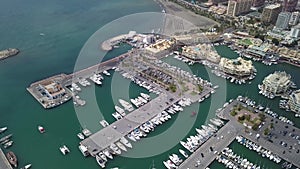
(208, 151)
(4, 164)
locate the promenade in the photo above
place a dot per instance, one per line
(4, 164)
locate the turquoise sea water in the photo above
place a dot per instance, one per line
(67, 25)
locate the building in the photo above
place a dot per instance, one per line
(294, 101)
(52, 90)
(283, 20)
(217, 1)
(201, 52)
(270, 13)
(289, 5)
(237, 7)
(294, 18)
(238, 67)
(258, 3)
(276, 84)
(160, 47)
(295, 31)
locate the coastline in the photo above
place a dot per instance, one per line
(4, 54)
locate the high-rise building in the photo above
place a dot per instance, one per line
(289, 5)
(217, 1)
(258, 3)
(270, 13)
(283, 20)
(237, 7)
(295, 31)
(294, 18)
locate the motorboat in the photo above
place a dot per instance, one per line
(104, 123)
(80, 136)
(100, 161)
(86, 132)
(102, 155)
(175, 159)
(115, 148)
(145, 96)
(106, 73)
(3, 129)
(124, 141)
(64, 149)
(41, 129)
(107, 153)
(26, 166)
(121, 146)
(8, 144)
(117, 116)
(120, 111)
(126, 105)
(131, 137)
(183, 153)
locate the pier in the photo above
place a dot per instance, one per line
(208, 151)
(4, 164)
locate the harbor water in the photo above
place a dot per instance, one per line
(50, 35)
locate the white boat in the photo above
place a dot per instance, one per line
(107, 154)
(144, 101)
(8, 144)
(80, 136)
(131, 137)
(124, 141)
(86, 132)
(106, 73)
(120, 111)
(26, 166)
(183, 153)
(64, 149)
(126, 105)
(145, 96)
(121, 146)
(101, 154)
(100, 161)
(41, 129)
(104, 123)
(117, 116)
(3, 129)
(76, 87)
(114, 148)
(135, 102)
(175, 159)
(83, 150)
(169, 164)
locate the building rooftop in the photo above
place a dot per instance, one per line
(279, 78)
(296, 96)
(273, 6)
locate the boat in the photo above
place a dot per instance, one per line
(5, 138)
(8, 144)
(124, 141)
(3, 129)
(80, 136)
(26, 166)
(41, 129)
(115, 148)
(175, 159)
(83, 150)
(102, 155)
(64, 149)
(120, 111)
(169, 164)
(42, 34)
(131, 137)
(145, 96)
(107, 153)
(126, 105)
(183, 153)
(106, 73)
(121, 146)
(100, 161)
(104, 123)
(86, 132)
(117, 116)
(12, 158)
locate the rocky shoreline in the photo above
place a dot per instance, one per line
(8, 52)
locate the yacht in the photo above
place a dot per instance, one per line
(107, 153)
(41, 129)
(102, 156)
(8, 144)
(3, 129)
(26, 166)
(100, 161)
(76, 87)
(131, 137)
(117, 116)
(126, 105)
(64, 149)
(104, 123)
(115, 148)
(124, 141)
(83, 150)
(86, 132)
(121, 146)
(120, 111)
(169, 164)
(142, 100)
(183, 153)
(145, 96)
(135, 102)
(80, 136)
(175, 159)
(106, 73)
